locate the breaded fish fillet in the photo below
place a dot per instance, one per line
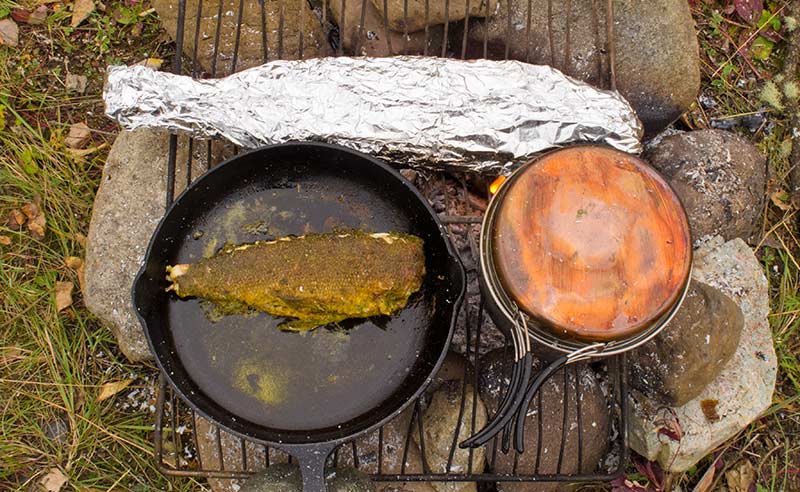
(317, 278)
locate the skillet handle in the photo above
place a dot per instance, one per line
(312, 459)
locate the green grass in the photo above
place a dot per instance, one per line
(52, 364)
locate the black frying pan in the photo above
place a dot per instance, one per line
(302, 393)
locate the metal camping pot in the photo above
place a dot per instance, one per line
(585, 252)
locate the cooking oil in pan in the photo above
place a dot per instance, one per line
(295, 381)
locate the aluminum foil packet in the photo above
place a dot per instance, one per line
(433, 113)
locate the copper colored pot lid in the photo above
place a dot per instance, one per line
(592, 243)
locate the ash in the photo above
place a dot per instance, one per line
(464, 196)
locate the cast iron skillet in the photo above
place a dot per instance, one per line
(325, 387)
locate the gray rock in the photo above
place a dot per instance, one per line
(297, 23)
(439, 423)
(286, 478)
(595, 419)
(691, 351)
(373, 39)
(741, 392)
(657, 65)
(454, 368)
(438, 12)
(719, 176)
(127, 208)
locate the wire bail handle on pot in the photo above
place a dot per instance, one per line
(513, 409)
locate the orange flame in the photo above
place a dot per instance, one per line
(496, 184)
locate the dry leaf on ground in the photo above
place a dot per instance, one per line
(80, 11)
(36, 220)
(38, 16)
(76, 264)
(81, 239)
(9, 355)
(79, 153)
(749, 10)
(9, 33)
(705, 483)
(781, 200)
(20, 14)
(5, 241)
(740, 477)
(63, 295)
(79, 135)
(16, 219)
(110, 389)
(54, 480)
(154, 63)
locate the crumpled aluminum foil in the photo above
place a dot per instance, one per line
(478, 115)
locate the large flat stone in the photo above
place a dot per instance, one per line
(741, 392)
(127, 208)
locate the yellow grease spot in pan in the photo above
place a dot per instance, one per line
(257, 379)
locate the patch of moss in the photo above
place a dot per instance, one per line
(772, 95)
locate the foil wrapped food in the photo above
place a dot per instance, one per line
(477, 115)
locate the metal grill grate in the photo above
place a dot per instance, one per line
(177, 425)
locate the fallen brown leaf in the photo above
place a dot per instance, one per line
(9, 355)
(54, 480)
(38, 16)
(73, 262)
(709, 408)
(110, 389)
(36, 226)
(79, 135)
(31, 209)
(154, 63)
(5, 241)
(9, 33)
(76, 264)
(16, 219)
(20, 14)
(740, 477)
(36, 220)
(704, 485)
(80, 11)
(63, 295)
(85, 152)
(781, 200)
(81, 239)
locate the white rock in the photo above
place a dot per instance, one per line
(744, 387)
